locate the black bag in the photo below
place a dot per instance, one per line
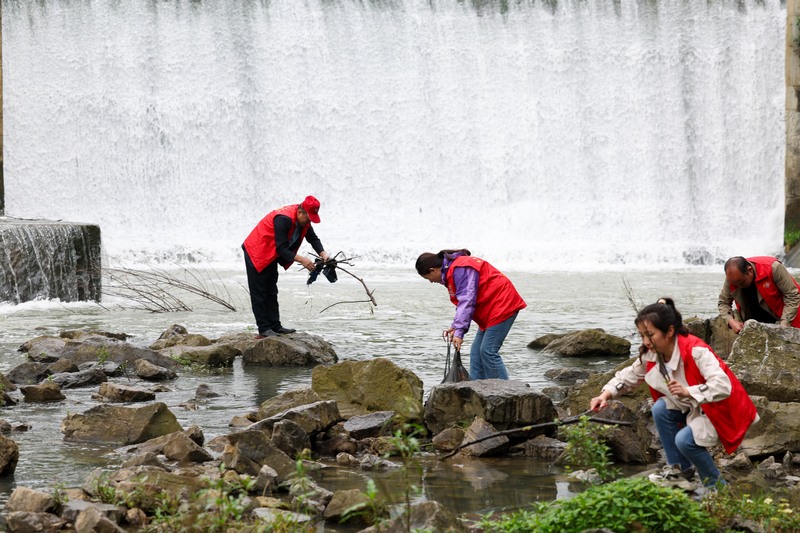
(455, 371)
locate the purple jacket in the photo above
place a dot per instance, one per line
(466, 282)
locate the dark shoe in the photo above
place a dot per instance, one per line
(284, 331)
(268, 333)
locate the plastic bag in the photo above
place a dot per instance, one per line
(454, 371)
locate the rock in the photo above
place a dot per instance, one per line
(72, 509)
(590, 343)
(776, 432)
(30, 501)
(24, 522)
(480, 429)
(204, 392)
(631, 443)
(313, 418)
(361, 387)
(425, 516)
(567, 375)
(540, 343)
(544, 448)
(215, 355)
(290, 438)
(287, 400)
(44, 349)
(127, 425)
(344, 500)
(49, 391)
(84, 378)
(147, 370)
(115, 392)
(296, 349)
(92, 520)
(448, 439)
(370, 425)
(28, 373)
(177, 335)
(248, 451)
(335, 445)
(62, 365)
(184, 450)
(99, 349)
(765, 358)
(504, 404)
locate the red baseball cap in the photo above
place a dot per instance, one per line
(311, 206)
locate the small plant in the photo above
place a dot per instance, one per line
(60, 495)
(796, 40)
(768, 514)
(302, 488)
(104, 490)
(586, 447)
(791, 236)
(225, 503)
(633, 504)
(407, 445)
(369, 511)
(166, 516)
(102, 355)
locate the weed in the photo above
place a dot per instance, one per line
(371, 511)
(102, 355)
(633, 504)
(769, 514)
(791, 236)
(586, 447)
(406, 444)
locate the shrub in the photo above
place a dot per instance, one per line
(633, 504)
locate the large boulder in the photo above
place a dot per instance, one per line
(287, 400)
(44, 349)
(295, 349)
(777, 432)
(99, 348)
(766, 359)
(214, 355)
(577, 401)
(361, 387)
(247, 451)
(312, 418)
(126, 425)
(504, 404)
(590, 343)
(9, 456)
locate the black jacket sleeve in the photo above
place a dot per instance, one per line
(287, 245)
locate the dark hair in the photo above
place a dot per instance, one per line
(426, 261)
(738, 262)
(662, 315)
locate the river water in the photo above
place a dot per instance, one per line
(405, 327)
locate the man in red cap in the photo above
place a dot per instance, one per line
(275, 241)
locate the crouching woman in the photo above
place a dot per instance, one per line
(698, 401)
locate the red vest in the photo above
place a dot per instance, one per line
(766, 287)
(497, 298)
(260, 244)
(730, 417)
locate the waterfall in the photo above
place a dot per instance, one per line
(47, 260)
(540, 133)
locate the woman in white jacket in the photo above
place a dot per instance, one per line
(698, 401)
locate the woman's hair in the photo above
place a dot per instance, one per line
(662, 315)
(426, 261)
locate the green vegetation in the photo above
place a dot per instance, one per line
(633, 504)
(406, 445)
(791, 237)
(102, 355)
(224, 503)
(769, 515)
(796, 40)
(586, 446)
(371, 511)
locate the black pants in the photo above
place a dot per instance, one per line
(263, 294)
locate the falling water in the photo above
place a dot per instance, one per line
(536, 133)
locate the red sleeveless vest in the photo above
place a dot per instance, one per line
(497, 298)
(765, 285)
(260, 244)
(730, 417)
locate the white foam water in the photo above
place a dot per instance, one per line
(589, 133)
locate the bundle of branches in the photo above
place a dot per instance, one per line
(328, 269)
(158, 290)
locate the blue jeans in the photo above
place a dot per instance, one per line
(484, 356)
(679, 445)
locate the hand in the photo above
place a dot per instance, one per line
(678, 390)
(457, 342)
(735, 325)
(324, 256)
(307, 263)
(599, 402)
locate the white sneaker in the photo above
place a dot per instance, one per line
(673, 476)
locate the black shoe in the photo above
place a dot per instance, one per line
(283, 331)
(268, 333)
